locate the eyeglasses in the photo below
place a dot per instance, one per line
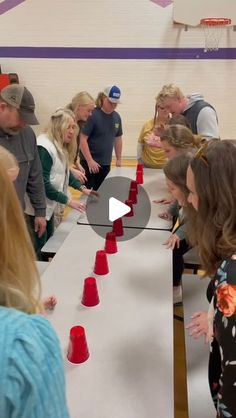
(200, 154)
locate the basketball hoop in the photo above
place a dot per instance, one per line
(212, 27)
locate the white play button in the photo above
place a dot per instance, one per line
(117, 209)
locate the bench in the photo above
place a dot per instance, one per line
(200, 404)
(41, 266)
(60, 234)
(191, 260)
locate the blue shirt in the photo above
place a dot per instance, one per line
(31, 368)
(102, 129)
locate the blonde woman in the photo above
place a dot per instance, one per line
(32, 376)
(82, 105)
(176, 139)
(56, 150)
(149, 151)
(9, 162)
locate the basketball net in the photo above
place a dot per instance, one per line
(212, 31)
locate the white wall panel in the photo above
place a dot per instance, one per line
(112, 23)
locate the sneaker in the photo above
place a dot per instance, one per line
(177, 294)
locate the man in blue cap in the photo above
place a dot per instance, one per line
(101, 133)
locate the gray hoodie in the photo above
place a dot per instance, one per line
(202, 116)
(23, 146)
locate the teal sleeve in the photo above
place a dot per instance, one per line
(51, 192)
(181, 232)
(32, 370)
(173, 209)
(73, 182)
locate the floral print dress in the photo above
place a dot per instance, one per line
(224, 323)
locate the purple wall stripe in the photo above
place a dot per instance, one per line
(7, 5)
(115, 53)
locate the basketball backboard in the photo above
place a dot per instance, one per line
(190, 12)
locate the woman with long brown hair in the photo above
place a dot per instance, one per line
(211, 180)
(176, 139)
(32, 376)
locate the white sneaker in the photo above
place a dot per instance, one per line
(177, 294)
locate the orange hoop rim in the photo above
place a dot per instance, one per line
(215, 21)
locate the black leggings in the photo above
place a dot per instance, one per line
(94, 180)
(178, 261)
(214, 371)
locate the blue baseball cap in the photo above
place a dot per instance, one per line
(113, 94)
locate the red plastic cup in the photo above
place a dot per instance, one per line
(78, 349)
(118, 227)
(139, 177)
(101, 263)
(133, 196)
(110, 244)
(139, 167)
(90, 293)
(134, 185)
(130, 204)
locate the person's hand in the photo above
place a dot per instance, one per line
(90, 192)
(157, 130)
(40, 224)
(93, 166)
(173, 241)
(154, 143)
(79, 167)
(199, 326)
(151, 136)
(74, 204)
(165, 215)
(118, 163)
(164, 200)
(79, 175)
(50, 302)
(153, 140)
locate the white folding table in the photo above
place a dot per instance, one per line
(130, 333)
(155, 187)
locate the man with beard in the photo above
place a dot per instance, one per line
(16, 114)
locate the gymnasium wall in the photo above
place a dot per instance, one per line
(59, 48)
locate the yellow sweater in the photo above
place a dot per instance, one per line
(151, 156)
